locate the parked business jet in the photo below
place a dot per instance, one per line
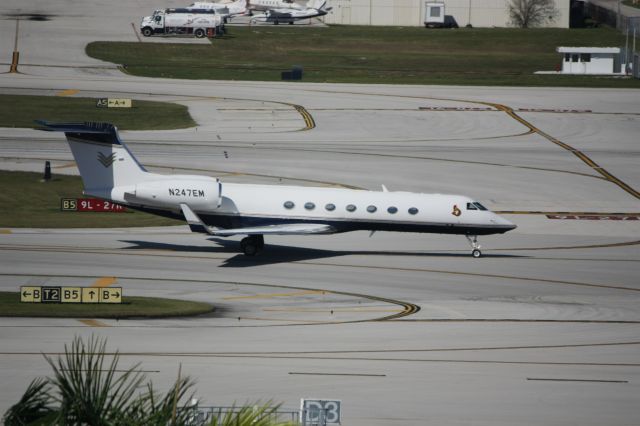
(226, 10)
(262, 5)
(111, 172)
(314, 9)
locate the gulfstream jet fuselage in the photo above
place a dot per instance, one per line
(110, 171)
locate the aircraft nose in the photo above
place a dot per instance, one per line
(509, 226)
(504, 223)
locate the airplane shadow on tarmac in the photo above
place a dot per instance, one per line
(274, 253)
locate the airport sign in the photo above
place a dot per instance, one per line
(39, 294)
(113, 103)
(71, 295)
(51, 294)
(90, 205)
(30, 294)
(320, 411)
(111, 295)
(90, 295)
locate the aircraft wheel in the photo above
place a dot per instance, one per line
(252, 245)
(248, 246)
(476, 253)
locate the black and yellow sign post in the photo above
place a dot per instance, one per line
(90, 295)
(111, 295)
(30, 294)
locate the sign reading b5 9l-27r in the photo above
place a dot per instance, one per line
(70, 294)
(90, 205)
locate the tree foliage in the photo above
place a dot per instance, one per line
(88, 389)
(532, 13)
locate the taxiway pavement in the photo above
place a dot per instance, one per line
(404, 329)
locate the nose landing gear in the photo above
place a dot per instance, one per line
(475, 246)
(252, 245)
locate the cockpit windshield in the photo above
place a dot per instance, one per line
(476, 206)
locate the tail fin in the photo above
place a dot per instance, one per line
(103, 159)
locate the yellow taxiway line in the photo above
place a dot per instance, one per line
(104, 282)
(68, 92)
(93, 323)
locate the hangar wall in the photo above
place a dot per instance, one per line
(480, 13)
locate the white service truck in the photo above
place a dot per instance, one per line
(197, 22)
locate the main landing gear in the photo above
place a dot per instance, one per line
(252, 245)
(475, 246)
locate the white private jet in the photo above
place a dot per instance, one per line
(226, 10)
(110, 171)
(313, 9)
(262, 5)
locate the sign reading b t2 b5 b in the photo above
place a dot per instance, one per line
(70, 294)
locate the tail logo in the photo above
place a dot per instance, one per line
(106, 160)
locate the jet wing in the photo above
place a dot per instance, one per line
(282, 229)
(197, 225)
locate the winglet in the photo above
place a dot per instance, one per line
(193, 220)
(384, 189)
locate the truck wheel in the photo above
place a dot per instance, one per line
(199, 33)
(146, 31)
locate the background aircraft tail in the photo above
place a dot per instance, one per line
(103, 160)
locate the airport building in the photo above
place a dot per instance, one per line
(591, 60)
(478, 13)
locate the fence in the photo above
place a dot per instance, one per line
(203, 416)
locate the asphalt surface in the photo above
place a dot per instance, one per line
(404, 329)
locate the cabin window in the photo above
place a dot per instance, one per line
(471, 206)
(351, 208)
(413, 210)
(480, 206)
(372, 209)
(309, 206)
(289, 205)
(392, 210)
(330, 207)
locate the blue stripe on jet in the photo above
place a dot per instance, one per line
(230, 221)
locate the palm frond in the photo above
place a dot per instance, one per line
(88, 392)
(35, 404)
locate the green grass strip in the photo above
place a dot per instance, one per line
(132, 307)
(22, 110)
(27, 202)
(365, 54)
